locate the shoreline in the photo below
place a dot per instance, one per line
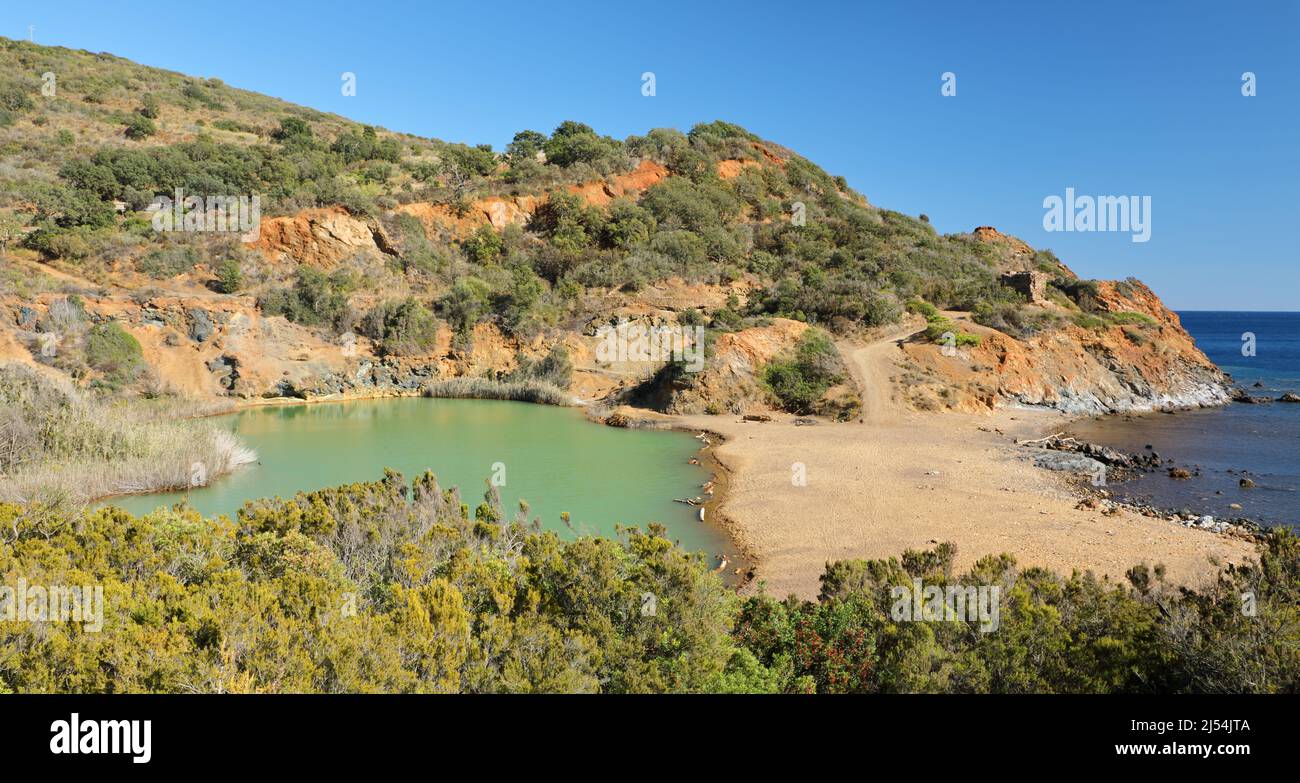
(1235, 525)
(737, 514)
(869, 495)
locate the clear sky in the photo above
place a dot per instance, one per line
(1110, 98)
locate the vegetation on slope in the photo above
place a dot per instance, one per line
(847, 262)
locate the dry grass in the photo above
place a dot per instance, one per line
(483, 389)
(58, 445)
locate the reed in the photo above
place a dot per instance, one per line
(59, 444)
(484, 389)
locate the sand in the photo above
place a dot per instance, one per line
(908, 480)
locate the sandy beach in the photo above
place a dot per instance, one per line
(901, 480)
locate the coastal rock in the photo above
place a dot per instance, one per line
(1289, 397)
(1067, 461)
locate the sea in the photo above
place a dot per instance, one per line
(1260, 442)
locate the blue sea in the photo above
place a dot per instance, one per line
(1258, 441)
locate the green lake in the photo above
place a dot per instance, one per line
(554, 458)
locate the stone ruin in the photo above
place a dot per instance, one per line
(1033, 285)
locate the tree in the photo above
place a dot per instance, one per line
(525, 145)
(460, 165)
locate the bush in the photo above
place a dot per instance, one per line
(800, 380)
(404, 328)
(139, 127)
(316, 299)
(574, 142)
(114, 352)
(230, 276)
(150, 106)
(554, 369)
(167, 262)
(16, 97)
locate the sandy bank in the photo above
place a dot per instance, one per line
(875, 489)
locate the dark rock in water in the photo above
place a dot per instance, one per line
(1289, 397)
(1259, 385)
(1249, 400)
(1179, 473)
(1245, 483)
(617, 420)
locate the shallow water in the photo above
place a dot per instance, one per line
(1263, 440)
(552, 457)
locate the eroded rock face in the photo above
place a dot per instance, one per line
(730, 379)
(1153, 365)
(319, 237)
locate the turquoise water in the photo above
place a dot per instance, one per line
(552, 457)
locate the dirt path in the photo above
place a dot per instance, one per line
(872, 367)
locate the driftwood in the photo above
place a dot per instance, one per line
(1041, 440)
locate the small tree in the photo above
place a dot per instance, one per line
(230, 276)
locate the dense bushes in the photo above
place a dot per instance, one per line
(389, 587)
(381, 586)
(315, 299)
(1075, 635)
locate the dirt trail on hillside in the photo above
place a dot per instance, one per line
(872, 367)
(909, 480)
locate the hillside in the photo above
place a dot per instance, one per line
(383, 263)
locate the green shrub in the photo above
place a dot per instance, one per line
(554, 369)
(401, 328)
(167, 262)
(1127, 318)
(111, 350)
(150, 106)
(316, 299)
(574, 142)
(139, 127)
(800, 380)
(230, 276)
(16, 97)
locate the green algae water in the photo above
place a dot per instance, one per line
(551, 457)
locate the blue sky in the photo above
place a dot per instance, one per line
(1110, 98)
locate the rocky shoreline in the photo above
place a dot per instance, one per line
(1090, 467)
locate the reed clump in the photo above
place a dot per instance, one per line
(59, 444)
